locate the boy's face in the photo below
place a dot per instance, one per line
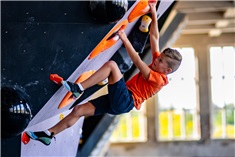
(160, 64)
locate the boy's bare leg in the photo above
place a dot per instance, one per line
(109, 70)
(86, 109)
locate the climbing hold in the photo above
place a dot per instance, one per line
(145, 22)
(109, 40)
(25, 138)
(56, 78)
(61, 116)
(140, 9)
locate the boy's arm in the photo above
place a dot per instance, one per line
(142, 66)
(154, 32)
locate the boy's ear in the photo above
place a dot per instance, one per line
(169, 70)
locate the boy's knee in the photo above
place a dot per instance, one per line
(112, 64)
(77, 111)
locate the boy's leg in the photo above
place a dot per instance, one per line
(109, 70)
(45, 137)
(86, 109)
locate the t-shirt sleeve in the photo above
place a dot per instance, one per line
(156, 78)
(156, 54)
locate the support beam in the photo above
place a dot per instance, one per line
(203, 6)
(206, 30)
(173, 30)
(205, 17)
(208, 18)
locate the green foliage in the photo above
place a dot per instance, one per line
(177, 125)
(189, 124)
(135, 125)
(217, 123)
(170, 116)
(163, 124)
(230, 116)
(128, 128)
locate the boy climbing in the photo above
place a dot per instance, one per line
(122, 97)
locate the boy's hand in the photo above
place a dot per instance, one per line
(152, 5)
(122, 34)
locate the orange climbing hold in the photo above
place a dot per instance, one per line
(140, 9)
(25, 138)
(109, 40)
(56, 78)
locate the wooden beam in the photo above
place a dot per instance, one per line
(202, 6)
(206, 18)
(208, 26)
(206, 30)
(173, 30)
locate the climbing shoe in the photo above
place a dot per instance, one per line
(73, 87)
(41, 136)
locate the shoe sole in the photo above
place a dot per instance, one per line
(31, 135)
(34, 137)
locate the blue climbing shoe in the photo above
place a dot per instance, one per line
(40, 136)
(72, 87)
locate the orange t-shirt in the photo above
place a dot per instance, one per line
(143, 89)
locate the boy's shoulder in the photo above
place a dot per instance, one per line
(158, 77)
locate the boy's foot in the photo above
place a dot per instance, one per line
(41, 136)
(73, 87)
